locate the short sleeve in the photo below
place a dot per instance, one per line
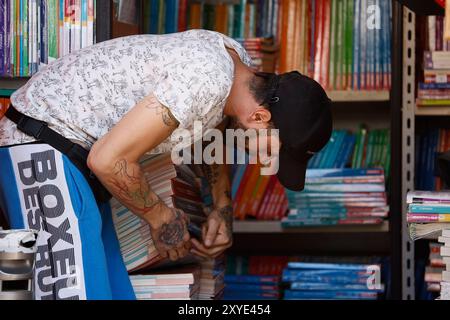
(191, 89)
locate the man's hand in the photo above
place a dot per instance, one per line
(170, 234)
(216, 233)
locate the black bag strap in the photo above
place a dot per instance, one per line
(77, 154)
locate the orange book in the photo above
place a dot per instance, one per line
(265, 199)
(296, 61)
(221, 12)
(284, 11)
(290, 34)
(258, 193)
(325, 56)
(248, 191)
(195, 16)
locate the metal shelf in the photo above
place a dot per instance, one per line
(357, 96)
(432, 111)
(275, 227)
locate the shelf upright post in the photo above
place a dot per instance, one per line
(408, 123)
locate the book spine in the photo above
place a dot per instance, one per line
(363, 45)
(2, 37)
(8, 37)
(325, 56)
(90, 23)
(356, 51)
(182, 15)
(52, 30)
(84, 19)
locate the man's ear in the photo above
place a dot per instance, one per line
(261, 115)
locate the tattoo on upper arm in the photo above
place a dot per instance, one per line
(166, 116)
(133, 189)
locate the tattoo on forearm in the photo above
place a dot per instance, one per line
(166, 116)
(132, 188)
(227, 214)
(172, 233)
(211, 173)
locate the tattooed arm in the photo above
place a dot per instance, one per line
(217, 231)
(114, 160)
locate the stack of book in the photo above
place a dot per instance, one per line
(429, 144)
(257, 196)
(428, 207)
(326, 281)
(212, 278)
(435, 89)
(4, 103)
(36, 32)
(338, 196)
(171, 284)
(363, 149)
(178, 187)
(445, 253)
(433, 272)
(254, 277)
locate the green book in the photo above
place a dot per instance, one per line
(333, 34)
(355, 149)
(25, 38)
(370, 149)
(52, 30)
(230, 21)
(362, 147)
(210, 18)
(237, 20)
(349, 42)
(161, 17)
(146, 16)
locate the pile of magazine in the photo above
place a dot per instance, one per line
(212, 278)
(428, 213)
(254, 277)
(178, 283)
(330, 281)
(338, 196)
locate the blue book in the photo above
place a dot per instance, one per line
(342, 172)
(337, 145)
(335, 295)
(154, 16)
(334, 286)
(433, 86)
(230, 278)
(420, 208)
(252, 287)
(171, 23)
(341, 152)
(240, 170)
(330, 266)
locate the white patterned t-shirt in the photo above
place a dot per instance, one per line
(84, 94)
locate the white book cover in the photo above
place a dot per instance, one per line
(446, 233)
(445, 290)
(427, 195)
(445, 251)
(432, 33)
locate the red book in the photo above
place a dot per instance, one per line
(325, 56)
(265, 199)
(182, 15)
(318, 34)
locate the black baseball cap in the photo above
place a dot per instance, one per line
(301, 112)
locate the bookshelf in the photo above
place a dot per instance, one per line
(412, 118)
(432, 111)
(275, 227)
(267, 237)
(358, 96)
